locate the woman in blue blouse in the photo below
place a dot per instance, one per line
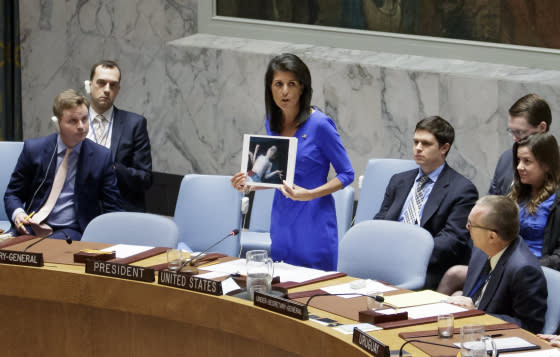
(536, 189)
(303, 226)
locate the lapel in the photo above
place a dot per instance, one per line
(49, 155)
(439, 191)
(476, 267)
(82, 165)
(118, 123)
(403, 189)
(497, 275)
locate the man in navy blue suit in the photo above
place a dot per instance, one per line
(504, 278)
(87, 188)
(528, 115)
(435, 196)
(123, 132)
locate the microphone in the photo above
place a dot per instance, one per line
(190, 262)
(68, 240)
(375, 297)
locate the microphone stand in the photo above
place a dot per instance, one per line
(189, 264)
(68, 240)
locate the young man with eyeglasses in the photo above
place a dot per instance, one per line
(529, 114)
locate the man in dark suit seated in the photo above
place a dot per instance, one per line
(124, 133)
(62, 181)
(435, 196)
(528, 115)
(504, 278)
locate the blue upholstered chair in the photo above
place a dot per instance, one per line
(208, 209)
(393, 252)
(9, 154)
(258, 235)
(132, 228)
(376, 177)
(344, 204)
(552, 318)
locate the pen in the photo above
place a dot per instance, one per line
(27, 218)
(495, 335)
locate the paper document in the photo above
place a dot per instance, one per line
(429, 310)
(127, 250)
(349, 329)
(212, 275)
(554, 352)
(229, 285)
(508, 344)
(286, 272)
(415, 298)
(371, 286)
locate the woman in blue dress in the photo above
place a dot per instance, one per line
(536, 183)
(303, 226)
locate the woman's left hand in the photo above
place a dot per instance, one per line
(296, 192)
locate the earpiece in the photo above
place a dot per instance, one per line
(56, 123)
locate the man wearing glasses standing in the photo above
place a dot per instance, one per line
(504, 278)
(529, 114)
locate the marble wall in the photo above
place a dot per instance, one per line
(202, 93)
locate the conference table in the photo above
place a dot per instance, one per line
(59, 310)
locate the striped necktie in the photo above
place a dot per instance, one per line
(412, 213)
(43, 230)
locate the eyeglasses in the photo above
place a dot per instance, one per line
(520, 134)
(471, 226)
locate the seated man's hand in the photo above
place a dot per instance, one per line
(462, 301)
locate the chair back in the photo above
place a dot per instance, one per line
(394, 252)
(9, 154)
(132, 228)
(552, 317)
(208, 208)
(376, 178)
(344, 205)
(261, 210)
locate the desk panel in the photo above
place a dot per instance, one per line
(60, 311)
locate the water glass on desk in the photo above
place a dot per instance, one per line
(175, 257)
(474, 343)
(259, 272)
(445, 325)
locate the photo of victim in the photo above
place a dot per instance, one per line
(266, 159)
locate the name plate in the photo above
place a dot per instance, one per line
(121, 271)
(189, 282)
(21, 258)
(370, 344)
(280, 305)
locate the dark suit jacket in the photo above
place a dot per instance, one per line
(516, 291)
(131, 153)
(444, 216)
(95, 188)
(503, 175)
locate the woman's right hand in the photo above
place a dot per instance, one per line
(238, 181)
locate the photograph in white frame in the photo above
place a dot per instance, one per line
(268, 160)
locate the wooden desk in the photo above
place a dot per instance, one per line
(58, 310)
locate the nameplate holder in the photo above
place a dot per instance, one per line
(21, 258)
(121, 271)
(373, 317)
(370, 344)
(190, 282)
(280, 305)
